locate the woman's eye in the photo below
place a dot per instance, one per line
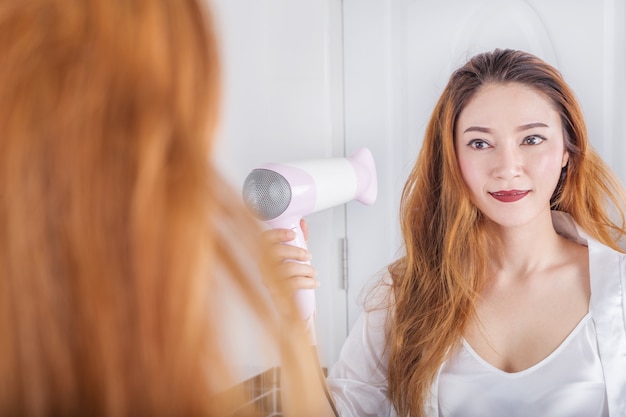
(533, 140)
(478, 144)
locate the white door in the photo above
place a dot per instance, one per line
(282, 101)
(398, 55)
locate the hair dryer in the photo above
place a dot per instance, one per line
(282, 194)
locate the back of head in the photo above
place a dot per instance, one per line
(110, 209)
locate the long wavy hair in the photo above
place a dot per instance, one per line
(447, 241)
(115, 228)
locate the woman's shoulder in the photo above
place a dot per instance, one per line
(566, 226)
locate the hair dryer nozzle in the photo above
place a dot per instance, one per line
(267, 193)
(365, 168)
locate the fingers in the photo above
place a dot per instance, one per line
(285, 252)
(282, 285)
(272, 236)
(286, 272)
(305, 229)
(286, 269)
(286, 235)
(288, 285)
(293, 271)
(281, 250)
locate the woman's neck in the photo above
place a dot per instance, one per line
(528, 248)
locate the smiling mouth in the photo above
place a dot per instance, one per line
(509, 196)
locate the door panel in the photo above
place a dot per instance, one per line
(282, 101)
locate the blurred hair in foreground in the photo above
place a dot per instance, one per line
(115, 227)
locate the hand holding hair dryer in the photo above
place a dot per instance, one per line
(282, 194)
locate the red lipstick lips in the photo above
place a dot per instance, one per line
(509, 196)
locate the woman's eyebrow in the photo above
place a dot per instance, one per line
(519, 129)
(531, 126)
(477, 129)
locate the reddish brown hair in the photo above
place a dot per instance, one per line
(114, 225)
(435, 285)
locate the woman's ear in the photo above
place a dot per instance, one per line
(565, 159)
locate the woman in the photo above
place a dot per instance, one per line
(116, 232)
(510, 297)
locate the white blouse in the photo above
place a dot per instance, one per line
(567, 383)
(358, 381)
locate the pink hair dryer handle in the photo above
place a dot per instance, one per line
(305, 298)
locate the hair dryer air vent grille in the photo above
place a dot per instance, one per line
(267, 193)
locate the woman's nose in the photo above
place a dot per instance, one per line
(508, 162)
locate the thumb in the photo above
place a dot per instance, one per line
(305, 229)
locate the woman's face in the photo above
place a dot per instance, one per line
(510, 148)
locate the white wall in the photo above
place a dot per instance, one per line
(283, 101)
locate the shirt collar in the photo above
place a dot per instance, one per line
(565, 226)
